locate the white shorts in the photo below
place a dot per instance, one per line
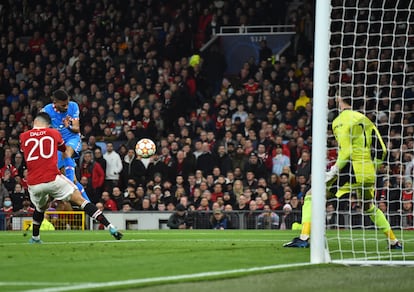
(59, 189)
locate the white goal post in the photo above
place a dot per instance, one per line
(369, 45)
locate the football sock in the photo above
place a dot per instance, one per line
(95, 213)
(82, 190)
(37, 221)
(379, 219)
(306, 217)
(69, 168)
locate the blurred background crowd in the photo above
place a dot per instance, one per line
(234, 142)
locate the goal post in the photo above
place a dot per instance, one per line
(319, 126)
(369, 46)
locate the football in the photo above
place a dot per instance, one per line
(145, 148)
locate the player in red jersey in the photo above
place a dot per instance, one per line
(45, 182)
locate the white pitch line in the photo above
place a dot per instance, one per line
(143, 240)
(33, 283)
(167, 278)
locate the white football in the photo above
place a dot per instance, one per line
(145, 148)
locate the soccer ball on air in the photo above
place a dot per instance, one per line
(145, 148)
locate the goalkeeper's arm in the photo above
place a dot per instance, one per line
(379, 148)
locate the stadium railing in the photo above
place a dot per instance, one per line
(153, 220)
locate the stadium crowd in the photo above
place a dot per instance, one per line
(135, 69)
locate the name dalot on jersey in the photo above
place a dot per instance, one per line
(37, 134)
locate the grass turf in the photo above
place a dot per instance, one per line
(91, 260)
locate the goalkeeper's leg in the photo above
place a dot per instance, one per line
(379, 219)
(303, 239)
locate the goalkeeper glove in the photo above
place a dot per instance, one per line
(332, 173)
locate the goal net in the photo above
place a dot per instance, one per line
(371, 51)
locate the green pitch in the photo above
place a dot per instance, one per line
(185, 260)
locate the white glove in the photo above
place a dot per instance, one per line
(332, 173)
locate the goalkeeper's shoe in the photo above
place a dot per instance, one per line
(297, 242)
(396, 245)
(115, 233)
(35, 241)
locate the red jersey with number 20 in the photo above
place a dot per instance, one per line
(39, 147)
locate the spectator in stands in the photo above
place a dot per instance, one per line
(217, 192)
(204, 203)
(239, 158)
(153, 200)
(8, 181)
(229, 199)
(292, 178)
(18, 196)
(274, 203)
(304, 165)
(240, 114)
(94, 174)
(224, 161)
(302, 100)
(242, 203)
(207, 160)
(219, 220)
(407, 194)
(238, 188)
(117, 196)
(134, 199)
(27, 209)
(113, 166)
(108, 203)
(146, 204)
(250, 217)
(180, 219)
(268, 219)
(287, 218)
(183, 165)
(407, 214)
(279, 189)
(7, 210)
(106, 80)
(127, 206)
(100, 159)
(279, 160)
(256, 166)
(3, 192)
(19, 164)
(250, 182)
(295, 203)
(331, 216)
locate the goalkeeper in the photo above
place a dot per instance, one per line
(354, 170)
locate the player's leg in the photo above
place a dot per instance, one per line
(37, 221)
(69, 163)
(95, 213)
(40, 200)
(72, 150)
(378, 217)
(82, 190)
(303, 239)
